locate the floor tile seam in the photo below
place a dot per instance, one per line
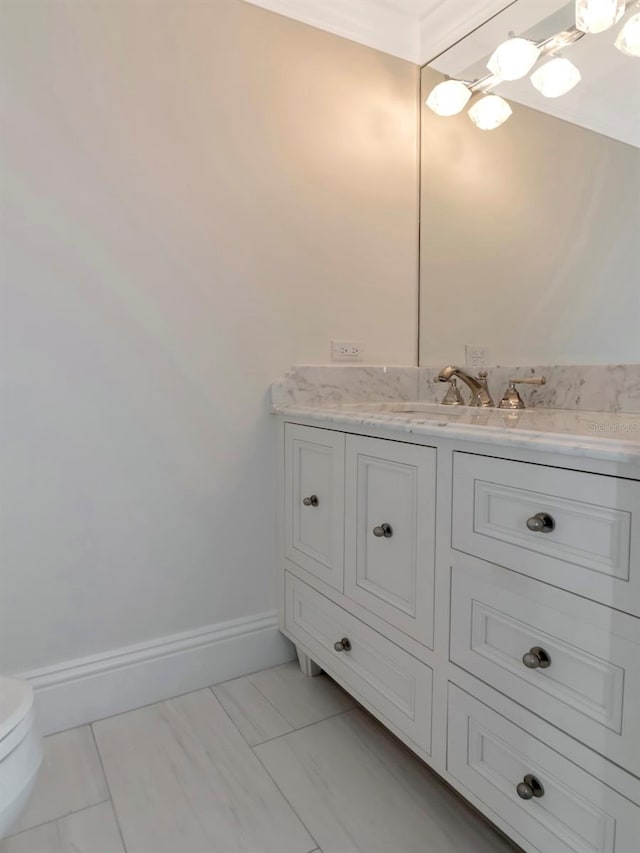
(55, 819)
(172, 698)
(106, 781)
(290, 804)
(144, 707)
(306, 726)
(282, 714)
(266, 698)
(278, 788)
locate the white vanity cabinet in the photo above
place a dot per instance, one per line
(483, 602)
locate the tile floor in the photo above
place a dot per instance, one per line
(271, 763)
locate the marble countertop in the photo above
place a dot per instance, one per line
(598, 435)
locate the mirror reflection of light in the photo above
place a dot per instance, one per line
(513, 59)
(628, 40)
(490, 112)
(596, 16)
(556, 78)
(449, 98)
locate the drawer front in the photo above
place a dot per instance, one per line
(595, 540)
(383, 677)
(584, 673)
(391, 487)
(577, 813)
(314, 501)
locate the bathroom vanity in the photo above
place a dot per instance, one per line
(472, 578)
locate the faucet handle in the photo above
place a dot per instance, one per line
(512, 399)
(482, 379)
(531, 380)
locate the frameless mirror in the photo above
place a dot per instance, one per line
(530, 232)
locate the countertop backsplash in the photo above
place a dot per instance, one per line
(317, 385)
(598, 388)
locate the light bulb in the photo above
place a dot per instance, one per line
(490, 112)
(628, 40)
(449, 98)
(556, 78)
(513, 59)
(596, 16)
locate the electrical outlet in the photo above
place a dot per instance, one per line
(347, 351)
(477, 356)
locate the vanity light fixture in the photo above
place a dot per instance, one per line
(449, 97)
(514, 58)
(517, 56)
(556, 78)
(490, 112)
(596, 16)
(628, 40)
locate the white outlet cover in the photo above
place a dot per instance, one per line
(347, 351)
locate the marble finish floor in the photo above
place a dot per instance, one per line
(271, 763)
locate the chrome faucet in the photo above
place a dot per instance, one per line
(480, 395)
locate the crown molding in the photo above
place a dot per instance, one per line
(380, 24)
(415, 30)
(448, 21)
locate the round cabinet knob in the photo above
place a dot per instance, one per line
(536, 658)
(529, 788)
(385, 530)
(343, 645)
(542, 522)
(311, 501)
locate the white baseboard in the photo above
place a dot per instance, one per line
(81, 691)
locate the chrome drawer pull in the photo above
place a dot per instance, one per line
(542, 522)
(529, 788)
(343, 645)
(536, 658)
(312, 501)
(385, 530)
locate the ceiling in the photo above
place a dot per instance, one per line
(457, 37)
(417, 30)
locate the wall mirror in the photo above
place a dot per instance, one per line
(530, 232)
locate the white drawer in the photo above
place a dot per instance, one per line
(314, 501)
(391, 487)
(383, 677)
(577, 813)
(594, 547)
(589, 681)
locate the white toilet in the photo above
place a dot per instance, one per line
(20, 750)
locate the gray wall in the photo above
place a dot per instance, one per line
(195, 195)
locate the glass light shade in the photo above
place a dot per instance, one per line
(556, 78)
(490, 112)
(513, 59)
(596, 16)
(628, 40)
(449, 98)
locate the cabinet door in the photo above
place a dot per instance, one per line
(314, 501)
(390, 532)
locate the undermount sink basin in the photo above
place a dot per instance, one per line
(424, 410)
